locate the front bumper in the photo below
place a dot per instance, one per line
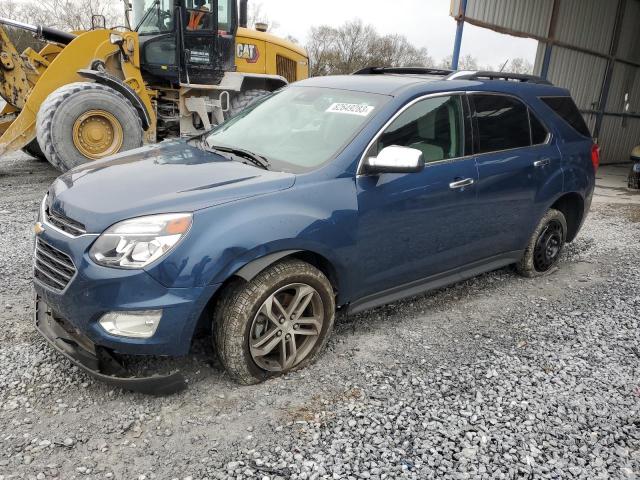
(95, 290)
(98, 361)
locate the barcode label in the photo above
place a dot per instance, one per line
(351, 109)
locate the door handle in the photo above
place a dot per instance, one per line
(461, 183)
(542, 162)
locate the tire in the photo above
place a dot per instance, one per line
(33, 149)
(545, 245)
(242, 100)
(239, 316)
(63, 109)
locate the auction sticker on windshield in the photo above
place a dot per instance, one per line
(351, 109)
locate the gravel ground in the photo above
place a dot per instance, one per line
(496, 377)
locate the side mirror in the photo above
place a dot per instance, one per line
(395, 159)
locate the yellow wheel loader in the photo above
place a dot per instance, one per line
(186, 66)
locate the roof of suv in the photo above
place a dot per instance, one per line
(407, 82)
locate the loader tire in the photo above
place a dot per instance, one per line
(242, 100)
(33, 149)
(85, 121)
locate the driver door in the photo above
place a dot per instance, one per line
(199, 35)
(415, 225)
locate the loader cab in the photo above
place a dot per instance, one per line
(186, 42)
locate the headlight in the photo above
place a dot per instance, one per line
(137, 242)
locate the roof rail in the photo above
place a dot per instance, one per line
(403, 71)
(486, 75)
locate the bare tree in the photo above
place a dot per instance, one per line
(63, 14)
(396, 51)
(354, 45)
(465, 62)
(519, 65)
(321, 49)
(73, 14)
(68, 15)
(21, 38)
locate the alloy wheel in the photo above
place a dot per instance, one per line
(286, 328)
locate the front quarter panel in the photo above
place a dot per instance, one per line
(316, 216)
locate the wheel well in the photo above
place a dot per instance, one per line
(321, 263)
(572, 207)
(318, 261)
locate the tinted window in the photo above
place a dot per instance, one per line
(503, 123)
(538, 131)
(569, 112)
(433, 126)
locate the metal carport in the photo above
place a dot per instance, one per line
(591, 47)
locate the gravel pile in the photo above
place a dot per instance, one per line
(496, 377)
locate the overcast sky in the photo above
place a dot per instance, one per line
(426, 23)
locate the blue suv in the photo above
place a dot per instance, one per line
(335, 193)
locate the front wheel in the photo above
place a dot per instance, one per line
(545, 245)
(278, 322)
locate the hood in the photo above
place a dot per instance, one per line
(165, 178)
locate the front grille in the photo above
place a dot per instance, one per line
(64, 223)
(52, 267)
(286, 68)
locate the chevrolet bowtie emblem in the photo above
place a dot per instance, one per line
(38, 228)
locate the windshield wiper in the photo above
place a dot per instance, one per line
(254, 158)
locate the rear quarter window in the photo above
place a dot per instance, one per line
(539, 132)
(566, 109)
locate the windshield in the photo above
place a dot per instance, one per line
(299, 128)
(153, 16)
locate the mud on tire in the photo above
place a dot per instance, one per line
(545, 245)
(237, 310)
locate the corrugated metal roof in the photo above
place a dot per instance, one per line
(617, 138)
(587, 23)
(581, 73)
(527, 16)
(629, 46)
(626, 79)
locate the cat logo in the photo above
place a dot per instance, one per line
(248, 52)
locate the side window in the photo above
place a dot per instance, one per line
(433, 126)
(567, 109)
(539, 133)
(503, 123)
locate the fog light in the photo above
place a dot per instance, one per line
(134, 324)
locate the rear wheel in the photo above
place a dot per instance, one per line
(545, 245)
(278, 322)
(85, 121)
(33, 149)
(242, 100)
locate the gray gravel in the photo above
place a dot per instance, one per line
(496, 377)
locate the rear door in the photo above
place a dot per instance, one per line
(519, 170)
